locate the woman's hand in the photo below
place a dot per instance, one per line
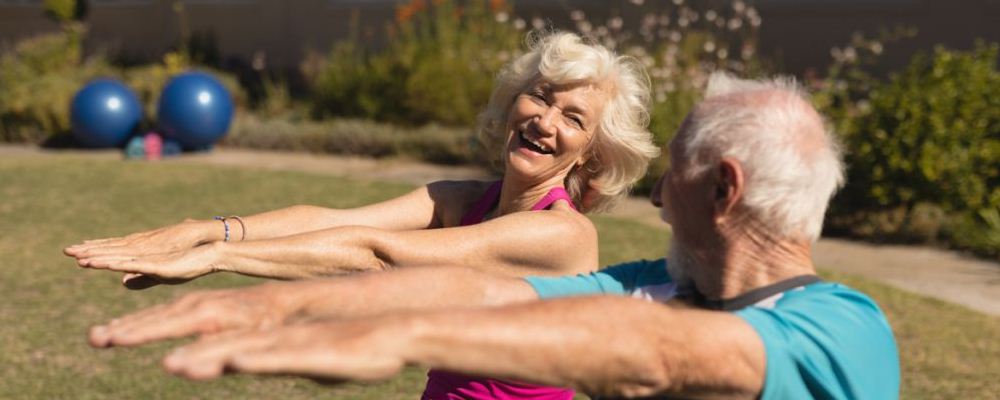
(206, 312)
(185, 235)
(174, 267)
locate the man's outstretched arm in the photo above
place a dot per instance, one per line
(274, 304)
(601, 345)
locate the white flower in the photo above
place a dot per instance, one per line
(864, 106)
(710, 15)
(576, 15)
(502, 17)
(519, 24)
(675, 36)
(709, 46)
(723, 54)
(648, 21)
(735, 24)
(850, 54)
(615, 23)
(537, 23)
(876, 48)
(664, 19)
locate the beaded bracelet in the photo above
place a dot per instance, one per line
(225, 224)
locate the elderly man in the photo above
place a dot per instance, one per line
(737, 309)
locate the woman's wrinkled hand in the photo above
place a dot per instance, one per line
(185, 235)
(171, 268)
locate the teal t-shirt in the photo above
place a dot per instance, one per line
(823, 340)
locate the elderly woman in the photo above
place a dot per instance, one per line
(567, 123)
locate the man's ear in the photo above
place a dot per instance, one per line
(729, 188)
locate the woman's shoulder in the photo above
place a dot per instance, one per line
(462, 191)
(453, 199)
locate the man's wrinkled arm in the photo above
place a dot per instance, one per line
(607, 346)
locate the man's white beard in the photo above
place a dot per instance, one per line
(679, 261)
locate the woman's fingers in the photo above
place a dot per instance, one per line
(114, 263)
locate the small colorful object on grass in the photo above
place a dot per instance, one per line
(153, 146)
(135, 148)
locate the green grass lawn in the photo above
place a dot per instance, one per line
(48, 303)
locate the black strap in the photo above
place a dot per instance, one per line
(751, 297)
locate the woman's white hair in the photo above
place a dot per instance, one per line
(622, 145)
(791, 161)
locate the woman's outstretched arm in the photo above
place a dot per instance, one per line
(553, 242)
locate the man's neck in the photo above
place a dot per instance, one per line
(753, 261)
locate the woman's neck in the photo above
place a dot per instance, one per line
(517, 196)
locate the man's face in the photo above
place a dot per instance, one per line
(687, 205)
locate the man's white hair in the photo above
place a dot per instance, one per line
(791, 161)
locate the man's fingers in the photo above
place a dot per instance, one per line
(207, 358)
(171, 321)
(311, 362)
(104, 240)
(102, 335)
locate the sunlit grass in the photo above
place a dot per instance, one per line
(49, 202)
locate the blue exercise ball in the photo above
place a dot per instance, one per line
(104, 113)
(195, 109)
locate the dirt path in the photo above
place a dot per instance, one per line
(932, 272)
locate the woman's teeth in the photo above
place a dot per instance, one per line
(543, 148)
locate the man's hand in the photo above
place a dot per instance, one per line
(207, 312)
(364, 350)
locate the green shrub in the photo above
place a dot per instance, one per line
(929, 135)
(39, 77)
(438, 66)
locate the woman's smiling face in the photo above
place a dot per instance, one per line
(550, 128)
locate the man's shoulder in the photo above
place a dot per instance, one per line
(826, 295)
(826, 340)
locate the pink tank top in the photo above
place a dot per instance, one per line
(443, 385)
